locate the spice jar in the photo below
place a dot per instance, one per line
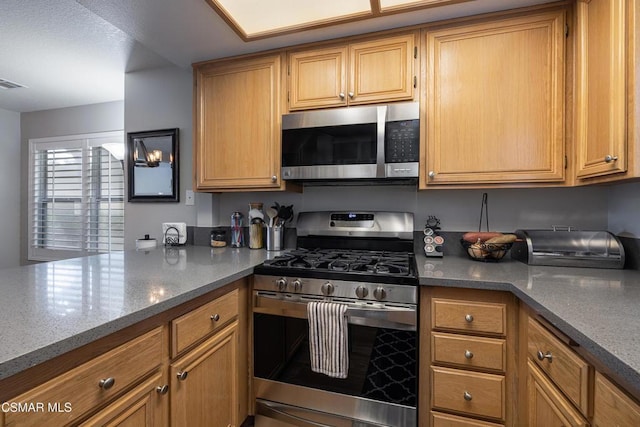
(218, 238)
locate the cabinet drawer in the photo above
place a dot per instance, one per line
(447, 420)
(469, 392)
(79, 390)
(489, 318)
(468, 351)
(192, 327)
(142, 406)
(612, 407)
(565, 368)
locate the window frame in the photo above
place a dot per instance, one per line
(84, 143)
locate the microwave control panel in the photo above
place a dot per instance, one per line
(402, 141)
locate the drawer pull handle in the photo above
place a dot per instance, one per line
(468, 318)
(162, 389)
(182, 375)
(107, 383)
(215, 317)
(547, 355)
(467, 396)
(468, 354)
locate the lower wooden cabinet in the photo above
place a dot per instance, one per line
(145, 405)
(82, 390)
(204, 387)
(547, 406)
(612, 407)
(137, 384)
(467, 354)
(447, 420)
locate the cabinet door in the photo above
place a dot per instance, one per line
(318, 78)
(495, 102)
(381, 70)
(238, 124)
(204, 389)
(612, 407)
(546, 405)
(601, 87)
(145, 405)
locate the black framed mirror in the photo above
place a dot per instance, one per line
(152, 165)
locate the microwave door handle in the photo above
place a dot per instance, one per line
(380, 160)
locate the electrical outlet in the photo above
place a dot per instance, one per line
(190, 198)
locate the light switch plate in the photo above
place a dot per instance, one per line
(190, 198)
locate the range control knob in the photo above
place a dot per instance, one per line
(379, 293)
(362, 292)
(297, 285)
(281, 284)
(327, 289)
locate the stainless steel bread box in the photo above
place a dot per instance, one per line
(568, 248)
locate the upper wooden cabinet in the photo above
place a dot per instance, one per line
(494, 102)
(237, 124)
(371, 71)
(605, 88)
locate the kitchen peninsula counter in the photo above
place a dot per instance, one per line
(597, 308)
(52, 308)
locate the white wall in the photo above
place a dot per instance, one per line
(624, 210)
(10, 188)
(162, 99)
(102, 117)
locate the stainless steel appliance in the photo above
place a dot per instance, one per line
(356, 142)
(364, 260)
(568, 248)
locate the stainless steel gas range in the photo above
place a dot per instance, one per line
(364, 261)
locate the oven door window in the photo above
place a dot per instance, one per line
(382, 362)
(329, 146)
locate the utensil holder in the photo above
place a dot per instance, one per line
(275, 238)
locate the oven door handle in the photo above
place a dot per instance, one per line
(391, 316)
(398, 318)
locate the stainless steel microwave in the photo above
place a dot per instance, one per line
(370, 142)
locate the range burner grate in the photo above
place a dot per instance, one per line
(340, 260)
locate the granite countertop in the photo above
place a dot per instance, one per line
(51, 308)
(597, 308)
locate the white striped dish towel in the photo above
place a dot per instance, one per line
(328, 338)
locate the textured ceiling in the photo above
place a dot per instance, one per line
(75, 52)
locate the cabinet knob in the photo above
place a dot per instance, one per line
(274, 178)
(468, 354)
(162, 389)
(215, 317)
(182, 375)
(432, 174)
(107, 383)
(341, 95)
(467, 396)
(547, 355)
(468, 318)
(351, 95)
(609, 158)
